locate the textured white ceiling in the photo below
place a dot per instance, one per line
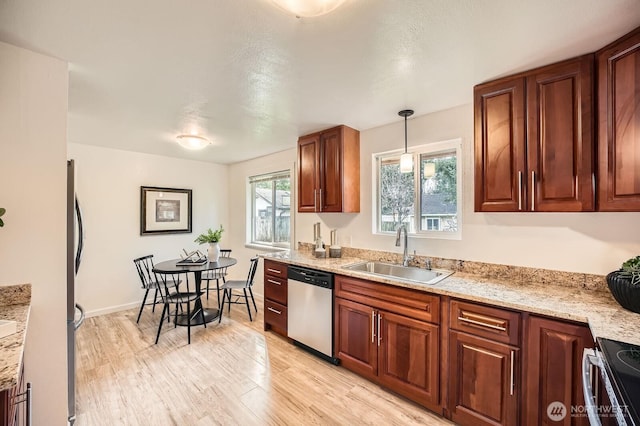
(252, 78)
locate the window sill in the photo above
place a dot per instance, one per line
(265, 247)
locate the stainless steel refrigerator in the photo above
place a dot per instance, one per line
(74, 253)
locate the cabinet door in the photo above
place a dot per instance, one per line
(560, 137)
(330, 195)
(500, 146)
(408, 358)
(308, 179)
(483, 388)
(619, 125)
(355, 337)
(554, 360)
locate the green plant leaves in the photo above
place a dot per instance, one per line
(210, 236)
(2, 211)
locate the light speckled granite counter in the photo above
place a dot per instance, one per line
(579, 303)
(15, 303)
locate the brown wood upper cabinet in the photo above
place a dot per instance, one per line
(534, 140)
(329, 171)
(619, 124)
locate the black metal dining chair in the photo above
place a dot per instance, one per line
(149, 281)
(217, 275)
(182, 300)
(229, 286)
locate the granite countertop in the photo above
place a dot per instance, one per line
(15, 304)
(606, 318)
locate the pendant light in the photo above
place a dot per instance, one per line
(406, 159)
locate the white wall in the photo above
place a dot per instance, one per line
(576, 242)
(108, 187)
(33, 118)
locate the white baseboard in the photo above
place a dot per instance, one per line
(112, 309)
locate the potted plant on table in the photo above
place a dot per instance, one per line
(212, 238)
(625, 284)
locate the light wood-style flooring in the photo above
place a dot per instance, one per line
(233, 373)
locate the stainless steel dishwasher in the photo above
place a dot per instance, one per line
(310, 311)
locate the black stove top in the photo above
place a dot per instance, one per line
(623, 365)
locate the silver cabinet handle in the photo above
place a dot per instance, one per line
(315, 197)
(275, 271)
(482, 324)
(379, 330)
(373, 326)
(29, 404)
(275, 311)
(274, 282)
(513, 355)
(533, 190)
(519, 190)
(320, 199)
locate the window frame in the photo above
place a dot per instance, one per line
(433, 149)
(262, 177)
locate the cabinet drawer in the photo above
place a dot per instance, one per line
(275, 315)
(492, 323)
(275, 269)
(275, 288)
(411, 303)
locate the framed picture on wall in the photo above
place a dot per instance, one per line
(164, 210)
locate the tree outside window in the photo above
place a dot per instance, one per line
(424, 202)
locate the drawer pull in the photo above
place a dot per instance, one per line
(275, 311)
(482, 324)
(275, 271)
(512, 380)
(274, 282)
(373, 326)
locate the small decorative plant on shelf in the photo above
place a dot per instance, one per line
(625, 284)
(2, 211)
(212, 238)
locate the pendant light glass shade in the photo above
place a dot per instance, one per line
(308, 8)
(192, 141)
(406, 159)
(429, 170)
(406, 163)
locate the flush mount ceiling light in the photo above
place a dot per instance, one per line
(308, 8)
(406, 159)
(192, 141)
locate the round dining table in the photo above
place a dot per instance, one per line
(171, 267)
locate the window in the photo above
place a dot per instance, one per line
(271, 209)
(428, 202)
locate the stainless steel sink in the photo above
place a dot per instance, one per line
(422, 276)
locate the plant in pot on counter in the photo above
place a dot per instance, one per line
(212, 238)
(625, 284)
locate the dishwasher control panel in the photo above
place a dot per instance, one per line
(310, 276)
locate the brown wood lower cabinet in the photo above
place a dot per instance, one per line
(553, 362)
(275, 297)
(482, 381)
(476, 364)
(15, 403)
(396, 351)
